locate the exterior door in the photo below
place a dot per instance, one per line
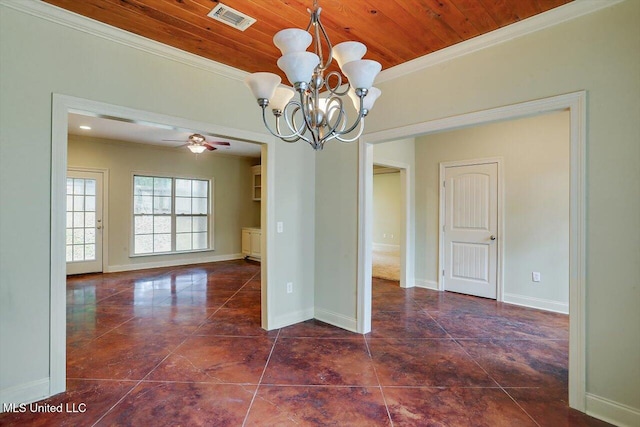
(470, 229)
(84, 222)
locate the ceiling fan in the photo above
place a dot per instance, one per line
(198, 143)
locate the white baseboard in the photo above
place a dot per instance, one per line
(539, 303)
(336, 319)
(172, 263)
(25, 393)
(410, 282)
(292, 318)
(612, 412)
(427, 284)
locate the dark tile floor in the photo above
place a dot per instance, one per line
(184, 346)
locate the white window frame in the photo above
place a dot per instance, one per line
(173, 177)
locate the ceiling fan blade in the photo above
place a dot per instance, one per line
(225, 143)
(174, 140)
(209, 146)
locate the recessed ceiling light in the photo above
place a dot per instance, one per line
(85, 127)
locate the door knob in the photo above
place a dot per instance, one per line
(492, 237)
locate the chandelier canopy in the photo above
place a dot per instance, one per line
(318, 113)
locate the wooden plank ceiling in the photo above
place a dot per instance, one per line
(395, 31)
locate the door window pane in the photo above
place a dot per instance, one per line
(78, 186)
(78, 252)
(90, 187)
(90, 219)
(89, 252)
(81, 219)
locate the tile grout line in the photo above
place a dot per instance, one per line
(165, 358)
(264, 370)
(139, 382)
(222, 305)
(480, 366)
(519, 406)
(494, 380)
(375, 371)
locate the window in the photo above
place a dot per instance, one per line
(170, 215)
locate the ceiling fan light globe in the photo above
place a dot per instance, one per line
(348, 51)
(197, 149)
(361, 73)
(292, 40)
(298, 66)
(262, 85)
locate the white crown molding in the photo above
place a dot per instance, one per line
(535, 23)
(78, 22)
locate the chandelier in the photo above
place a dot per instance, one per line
(318, 113)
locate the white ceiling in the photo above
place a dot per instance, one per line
(153, 134)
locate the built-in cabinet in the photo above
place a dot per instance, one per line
(256, 182)
(251, 242)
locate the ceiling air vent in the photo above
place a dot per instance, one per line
(231, 17)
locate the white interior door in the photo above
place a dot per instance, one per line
(470, 229)
(84, 222)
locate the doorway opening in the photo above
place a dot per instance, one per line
(63, 107)
(575, 103)
(387, 222)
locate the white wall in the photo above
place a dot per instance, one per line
(387, 208)
(597, 53)
(233, 207)
(39, 58)
(535, 154)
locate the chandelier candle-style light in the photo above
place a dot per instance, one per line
(318, 115)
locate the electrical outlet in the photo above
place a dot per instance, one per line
(535, 276)
(289, 287)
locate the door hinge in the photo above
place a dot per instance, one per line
(442, 273)
(443, 228)
(444, 184)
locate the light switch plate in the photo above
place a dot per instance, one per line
(280, 226)
(535, 276)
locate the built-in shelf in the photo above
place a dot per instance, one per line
(256, 182)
